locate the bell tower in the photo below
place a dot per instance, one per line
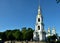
(39, 21)
(39, 33)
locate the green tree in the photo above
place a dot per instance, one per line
(57, 1)
(9, 35)
(17, 34)
(49, 38)
(1, 33)
(54, 37)
(3, 36)
(29, 34)
(24, 32)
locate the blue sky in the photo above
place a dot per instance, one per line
(15, 14)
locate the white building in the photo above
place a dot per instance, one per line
(39, 33)
(48, 33)
(51, 32)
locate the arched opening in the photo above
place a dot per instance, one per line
(38, 27)
(38, 19)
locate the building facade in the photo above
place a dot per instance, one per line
(39, 33)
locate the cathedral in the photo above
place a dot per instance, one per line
(39, 33)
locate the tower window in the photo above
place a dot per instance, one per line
(38, 27)
(38, 19)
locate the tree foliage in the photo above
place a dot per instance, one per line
(52, 39)
(16, 34)
(27, 33)
(57, 1)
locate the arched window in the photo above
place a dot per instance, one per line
(38, 27)
(38, 19)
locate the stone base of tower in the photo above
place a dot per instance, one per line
(39, 36)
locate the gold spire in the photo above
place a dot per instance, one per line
(39, 10)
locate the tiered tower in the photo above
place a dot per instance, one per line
(39, 33)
